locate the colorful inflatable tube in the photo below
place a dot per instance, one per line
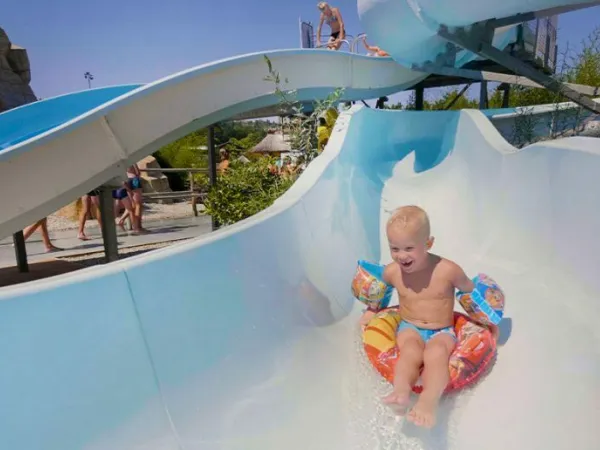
(474, 352)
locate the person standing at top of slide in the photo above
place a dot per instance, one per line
(333, 17)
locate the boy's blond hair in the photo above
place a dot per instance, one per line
(411, 218)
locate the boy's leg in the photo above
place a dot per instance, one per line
(406, 372)
(435, 378)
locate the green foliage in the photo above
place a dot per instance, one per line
(394, 106)
(448, 100)
(302, 126)
(245, 189)
(582, 67)
(191, 150)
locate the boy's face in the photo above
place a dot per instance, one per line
(408, 248)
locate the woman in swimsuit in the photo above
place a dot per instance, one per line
(135, 184)
(333, 17)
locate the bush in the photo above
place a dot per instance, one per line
(244, 190)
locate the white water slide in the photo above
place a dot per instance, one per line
(247, 338)
(76, 142)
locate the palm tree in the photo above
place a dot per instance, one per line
(89, 77)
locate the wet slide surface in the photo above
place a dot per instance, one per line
(247, 338)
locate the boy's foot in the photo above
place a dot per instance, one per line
(53, 248)
(423, 413)
(83, 237)
(398, 401)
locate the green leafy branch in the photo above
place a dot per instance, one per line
(302, 126)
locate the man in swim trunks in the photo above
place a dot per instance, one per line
(333, 17)
(426, 285)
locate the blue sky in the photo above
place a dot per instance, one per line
(133, 41)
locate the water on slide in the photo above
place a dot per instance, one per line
(248, 339)
(526, 217)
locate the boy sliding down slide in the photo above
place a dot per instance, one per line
(425, 283)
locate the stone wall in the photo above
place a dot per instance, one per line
(15, 75)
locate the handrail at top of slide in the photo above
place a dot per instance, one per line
(93, 147)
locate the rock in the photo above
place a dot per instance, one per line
(154, 181)
(73, 210)
(15, 75)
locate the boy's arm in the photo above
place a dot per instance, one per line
(460, 279)
(388, 273)
(464, 284)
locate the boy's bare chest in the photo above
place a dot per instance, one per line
(424, 288)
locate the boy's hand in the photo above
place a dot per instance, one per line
(366, 318)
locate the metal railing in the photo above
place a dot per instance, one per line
(347, 41)
(308, 38)
(356, 40)
(538, 39)
(178, 195)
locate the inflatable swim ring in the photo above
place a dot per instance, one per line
(473, 354)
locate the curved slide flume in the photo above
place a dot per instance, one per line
(407, 29)
(247, 338)
(95, 145)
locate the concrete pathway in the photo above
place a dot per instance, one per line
(163, 230)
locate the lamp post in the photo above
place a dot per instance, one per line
(89, 77)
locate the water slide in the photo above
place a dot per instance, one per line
(100, 132)
(247, 338)
(408, 29)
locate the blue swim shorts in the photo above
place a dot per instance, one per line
(119, 194)
(425, 333)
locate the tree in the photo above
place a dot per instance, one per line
(245, 189)
(191, 150)
(302, 125)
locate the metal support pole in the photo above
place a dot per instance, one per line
(526, 17)
(20, 251)
(419, 98)
(109, 227)
(468, 41)
(478, 75)
(506, 96)
(457, 96)
(212, 166)
(483, 95)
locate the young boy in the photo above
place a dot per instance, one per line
(426, 285)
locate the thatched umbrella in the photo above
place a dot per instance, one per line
(273, 144)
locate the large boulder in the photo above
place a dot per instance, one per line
(15, 75)
(153, 182)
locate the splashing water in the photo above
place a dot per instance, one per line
(375, 426)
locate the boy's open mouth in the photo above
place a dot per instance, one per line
(406, 264)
